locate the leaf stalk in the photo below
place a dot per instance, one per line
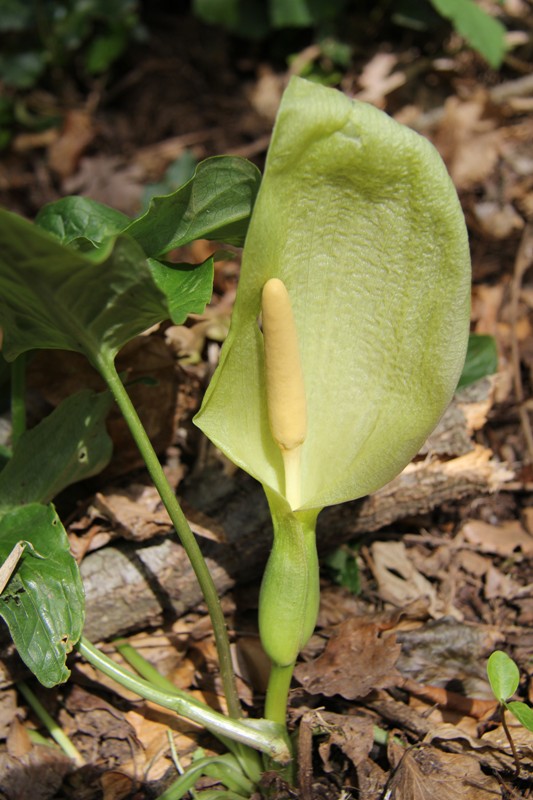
(108, 371)
(181, 703)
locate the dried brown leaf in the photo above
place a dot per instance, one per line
(354, 735)
(399, 582)
(449, 654)
(503, 540)
(77, 133)
(356, 661)
(34, 776)
(428, 773)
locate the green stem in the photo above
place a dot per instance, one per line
(510, 740)
(18, 398)
(248, 759)
(110, 375)
(279, 684)
(181, 703)
(54, 729)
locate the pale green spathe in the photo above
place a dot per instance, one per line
(357, 216)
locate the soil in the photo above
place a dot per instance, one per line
(390, 697)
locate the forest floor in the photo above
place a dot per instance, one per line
(390, 697)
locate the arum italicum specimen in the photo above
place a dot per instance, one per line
(357, 262)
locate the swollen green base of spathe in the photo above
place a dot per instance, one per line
(290, 591)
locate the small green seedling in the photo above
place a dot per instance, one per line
(504, 678)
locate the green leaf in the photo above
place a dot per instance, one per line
(481, 359)
(523, 713)
(104, 50)
(21, 70)
(73, 218)
(291, 13)
(484, 33)
(43, 602)
(503, 675)
(343, 565)
(16, 15)
(218, 12)
(188, 287)
(358, 217)
(54, 297)
(215, 204)
(67, 446)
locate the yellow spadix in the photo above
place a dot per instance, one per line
(287, 410)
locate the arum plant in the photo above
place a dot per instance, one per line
(88, 279)
(348, 335)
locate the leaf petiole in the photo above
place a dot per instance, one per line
(56, 732)
(108, 371)
(269, 739)
(18, 398)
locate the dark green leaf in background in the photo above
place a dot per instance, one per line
(342, 563)
(481, 359)
(15, 16)
(484, 33)
(67, 446)
(43, 602)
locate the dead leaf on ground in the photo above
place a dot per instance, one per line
(116, 785)
(137, 511)
(151, 725)
(35, 776)
(495, 755)
(399, 582)
(109, 180)
(468, 140)
(379, 78)
(54, 375)
(503, 540)
(449, 654)
(496, 220)
(428, 773)
(65, 151)
(354, 735)
(8, 707)
(99, 730)
(356, 661)
(337, 603)
(522, 740)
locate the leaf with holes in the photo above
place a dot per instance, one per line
(67, 446)
(43, 601)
